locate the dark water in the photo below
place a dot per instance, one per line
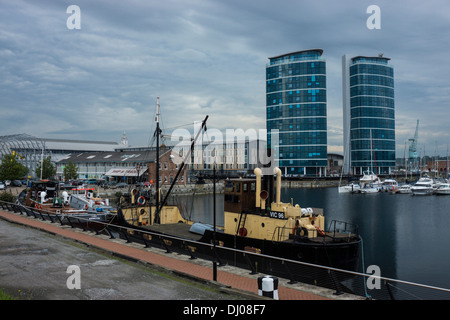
(407, 236)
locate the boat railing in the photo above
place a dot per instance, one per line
(281, 233)
(330, 280)
(338, 228)
(338, 231)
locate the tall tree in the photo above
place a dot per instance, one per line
(11, 169)
(48, 169)
(70, 171)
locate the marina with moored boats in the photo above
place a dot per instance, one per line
(371, 183)
(254, 220)
(387, 243)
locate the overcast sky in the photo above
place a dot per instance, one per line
(208, 57)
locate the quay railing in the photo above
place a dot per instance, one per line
(306, 275)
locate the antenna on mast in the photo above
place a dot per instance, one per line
(157, 110)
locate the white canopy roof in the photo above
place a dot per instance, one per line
(119, 172)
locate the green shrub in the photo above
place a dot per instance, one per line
(7, 197)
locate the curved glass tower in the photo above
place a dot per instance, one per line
(369, 114)
(296, 107)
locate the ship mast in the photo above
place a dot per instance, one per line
(157, 133)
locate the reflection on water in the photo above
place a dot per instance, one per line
(406, 236)
(199, 208)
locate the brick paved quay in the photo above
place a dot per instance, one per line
(230, 277)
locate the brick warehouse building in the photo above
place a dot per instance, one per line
(126, 166)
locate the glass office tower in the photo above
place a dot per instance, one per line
(296, 107)
(369, 114)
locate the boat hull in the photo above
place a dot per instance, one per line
(404, 189)
(75, 218)
(175, 237)
(349, 189)
(343, 255)
(89, 221)
(369, 190)
(443, 191)
(422, 191)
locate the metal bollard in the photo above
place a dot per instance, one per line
(268, 287)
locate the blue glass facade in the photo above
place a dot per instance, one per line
(296, 107)
(371, 114)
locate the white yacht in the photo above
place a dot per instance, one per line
(423, 187)
(369, 182)
(444, 188)
(369, 179)
(389, 185)
(350, 188)
(404, 188)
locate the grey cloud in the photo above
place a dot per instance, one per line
(205, 56)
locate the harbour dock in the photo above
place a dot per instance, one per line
(234, 280)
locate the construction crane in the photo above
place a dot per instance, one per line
(413, 146)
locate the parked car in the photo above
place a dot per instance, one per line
(2, 186)
(16, 183)
(109, 185)
(121, 185)
(144, 184)
(75, 183)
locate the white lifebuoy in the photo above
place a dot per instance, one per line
(141, 200)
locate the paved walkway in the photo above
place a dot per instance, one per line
(232, 277)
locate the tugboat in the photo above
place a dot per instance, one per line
(284, 230)
(253, 222)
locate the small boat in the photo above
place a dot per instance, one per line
(350, 188)
(84, 199)
(44, 196)
(370, 180)
(444, 188)
(404, 189)
(389, 185)
(423, 187)
(370, 183)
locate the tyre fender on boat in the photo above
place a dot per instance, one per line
(302, 232)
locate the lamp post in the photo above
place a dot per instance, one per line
(214, 222)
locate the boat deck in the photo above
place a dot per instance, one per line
(330, 237)
(175, 229)
(335, 237)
